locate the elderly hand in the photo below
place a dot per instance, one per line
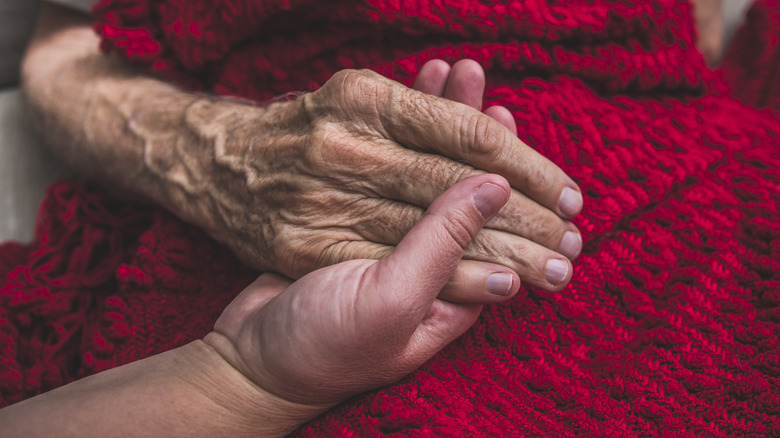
(339, 174)
(282, 353)
(362, 324)
(343, 173)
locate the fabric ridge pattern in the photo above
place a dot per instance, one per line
(671, 324)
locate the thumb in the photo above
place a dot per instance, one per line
(426, 258)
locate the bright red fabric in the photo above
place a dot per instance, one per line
(670, 325)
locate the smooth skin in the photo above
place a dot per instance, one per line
(282, 352)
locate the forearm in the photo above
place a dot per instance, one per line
(138, 134)
(190, 391)
(341, 173)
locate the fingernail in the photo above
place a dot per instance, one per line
(571, 244)
(500, 283)
(571, 202)
(489, 198)
(556, 271)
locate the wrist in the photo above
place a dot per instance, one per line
(254, 409)
(229, 179)
(189, 391)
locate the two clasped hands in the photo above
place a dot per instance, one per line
(383, 282)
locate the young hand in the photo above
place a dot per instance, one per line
(362, 324)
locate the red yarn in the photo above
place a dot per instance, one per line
(670, 325)
(103, 284)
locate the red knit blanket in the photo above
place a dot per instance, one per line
(670, 325)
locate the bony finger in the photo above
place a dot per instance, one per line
(536, 265)
(422, 122)
(525, 218)
(387, 221)
(460, 133)
(476, 282)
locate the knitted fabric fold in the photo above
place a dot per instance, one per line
(297, 45)
(670, 325)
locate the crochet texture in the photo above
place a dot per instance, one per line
(670, 325)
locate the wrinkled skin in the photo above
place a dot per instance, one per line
(361, 324)
(283, 352)
(339, 174)
(343, 173)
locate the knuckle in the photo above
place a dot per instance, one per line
(479, 137)
(343, 79)
(338, 93)
(550, 236)
(355, 88)
(485, 249)
(356, 100)
(527, 219)
(457, 226)
(523, 256)
(415, 115)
